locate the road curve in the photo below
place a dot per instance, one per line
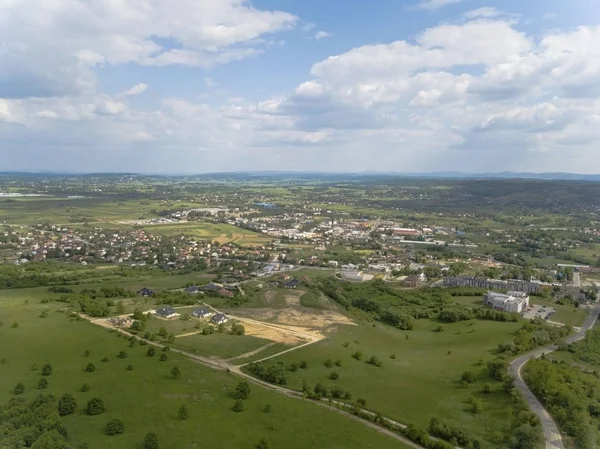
(551, 431)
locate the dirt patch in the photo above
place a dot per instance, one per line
(293, 298)
(269, 297)
(271, 333)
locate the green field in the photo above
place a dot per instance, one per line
(220, 232)
(147, 398)
(223, 346)
(420, 383)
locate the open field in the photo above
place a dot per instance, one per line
(420, 382)
(147, 398)
(222, 346)
(219, 232)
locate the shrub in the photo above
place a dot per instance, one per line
(47, 370)
(293, 367)
(361, 403)
(67, 405)
(163, 357)
(338, 363)
(183, 412)
(84, 388)
(90, 368)
(263, 444)
(122, 354)
(42, 384)
(129, 367)
(373, 360)
(267, 408)
(105, 359)
(114, 427)
(15, 325)
(328, 363)
(238, 406)
(357, 355)
(151, 351)
(334, 376)
(86, 353)
(95, 406)
(303, 364)
(175, 372)
(150, 441)
(19, 388)
(469, 377)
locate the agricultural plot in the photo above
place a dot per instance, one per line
(220, 232)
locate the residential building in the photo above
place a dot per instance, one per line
(219, 318)
(166, 312)
(202, 312)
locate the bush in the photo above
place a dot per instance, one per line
(151, 351)
(373, 360)
(303, 365)
(334, 376)
(361, 403)
(263, 444)
(95, 406)
(105, 359)
(84, 388)
(272, 373)
(129, 367)
(42, 384)
(267, 408)
(469, 377)
(67, 405)
(238, 329)
(122, 354)
(15, 325)
(114, 427)
(90, 368)
(183, 412)
(150, 441)
(293, 367)
(238, 406)
(338, 363)
(47, 370)
(19, 388)
(163, 357)
(357, 355)
(175, 372)
(328, 363)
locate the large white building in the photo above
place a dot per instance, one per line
(514, 302)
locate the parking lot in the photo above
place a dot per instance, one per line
(537, 311)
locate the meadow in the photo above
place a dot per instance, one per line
(147, 398)
(420, 372)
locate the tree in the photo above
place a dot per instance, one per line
(328, 363)
(151, 351)
(163, 357)
(95, 406)
(183, 412)
(120, 308)
(19, 388)
(47, 370)
(163, 332)
(469, 377)
(90, 368)
(487, 388)
(129, 367)
(242, 390)
(175, 372)
(334, 376)
(42, 384)
(361, 403)
(238, 329)
(150, 441)
(122, 354)
(114, 427)
(303, 365)
(67, 405)
(238, 406)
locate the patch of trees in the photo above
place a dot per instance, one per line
(36, 424)
(571, 396)
(588, 349)
(272, 373)
(532, 335)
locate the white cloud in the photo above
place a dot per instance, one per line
(209, 82)
(486, 13)
(136, 90)
(436, 4)
(322, 34)
(51, 47)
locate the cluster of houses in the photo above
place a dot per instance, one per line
(169, 313)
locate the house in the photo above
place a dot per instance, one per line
(145, 292)
(212, 287)
(356, 276)
(293, 283)
(166, 312)
(192, 290)
(412, 281)
(202, 312)
(219, 318)
(514, 302)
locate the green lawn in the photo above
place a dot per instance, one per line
(420, 382)
(147, 398)
(564, 314)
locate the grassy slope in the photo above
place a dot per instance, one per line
(419, 383)
(147, 399)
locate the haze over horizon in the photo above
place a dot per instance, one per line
(196, 86)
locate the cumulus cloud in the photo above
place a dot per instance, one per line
(50, 47)
(486, 13)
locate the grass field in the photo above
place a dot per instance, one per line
(420, 383)
(147, 398)
(219, 232)
(222, 346)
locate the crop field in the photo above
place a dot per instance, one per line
(146, 398)
(420, 382)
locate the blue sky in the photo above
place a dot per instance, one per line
(192, 86)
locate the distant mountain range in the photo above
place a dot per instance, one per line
(315, 175)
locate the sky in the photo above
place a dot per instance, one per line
(197, 86)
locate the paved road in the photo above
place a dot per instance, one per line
(551, 432)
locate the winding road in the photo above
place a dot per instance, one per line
(551, 431)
